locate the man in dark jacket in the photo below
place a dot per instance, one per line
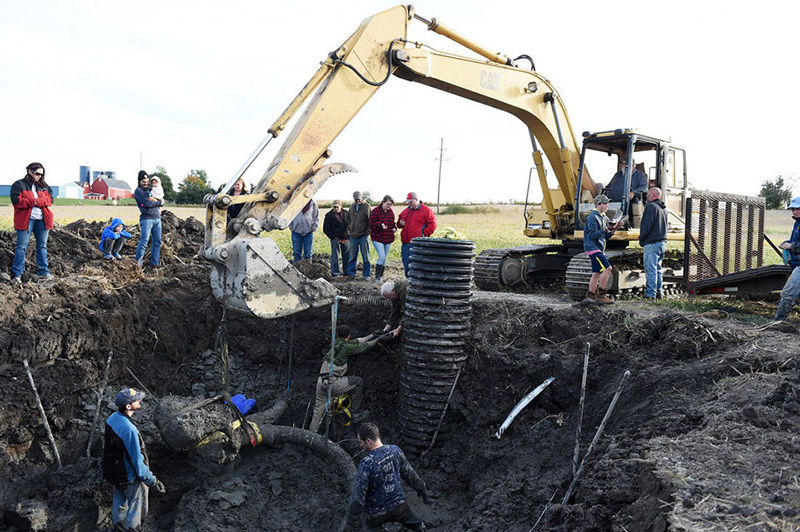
(358, 229)
(125, 463)
(149, 221)
(32, 198)
(791, 290)
(653, 239)
(335, 228)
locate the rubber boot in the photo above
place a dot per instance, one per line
(602, 297)
(591, 296)
(784, 308)
(379, 272)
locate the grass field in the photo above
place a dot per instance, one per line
(489, 227)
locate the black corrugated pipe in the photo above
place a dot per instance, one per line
(435, 330)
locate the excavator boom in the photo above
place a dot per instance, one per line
(250, 274)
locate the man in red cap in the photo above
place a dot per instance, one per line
(416, 220)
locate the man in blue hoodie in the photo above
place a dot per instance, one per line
(149, 221)
(653, 239)
(125, 463)
(791, 290)
(113, 238)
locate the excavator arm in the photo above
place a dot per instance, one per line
(249, 273)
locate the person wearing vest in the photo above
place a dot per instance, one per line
(343, 349)
(125, 463)
(32, 198)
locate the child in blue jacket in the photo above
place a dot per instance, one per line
(114, 237)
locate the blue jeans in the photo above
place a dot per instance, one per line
(405, 253)
(40, 232)
(358, 244)
(336, 248)
(653, 256)
(129, 506)
(301, 246)
(789, 294)
(383, 252)
(148, 227)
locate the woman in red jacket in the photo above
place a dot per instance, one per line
(382, 229)
(32, 197)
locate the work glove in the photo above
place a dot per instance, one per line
(385, 337)
(159, 486)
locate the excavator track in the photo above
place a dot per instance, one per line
(628, 264)
(488, 266)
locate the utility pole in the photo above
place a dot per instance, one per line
(439, 186)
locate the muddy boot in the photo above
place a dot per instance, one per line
(379, 272)
(602, 297)
(591, 296)
(784, 309)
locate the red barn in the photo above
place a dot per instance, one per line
(107, 188)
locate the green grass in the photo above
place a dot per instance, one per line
(469, 209)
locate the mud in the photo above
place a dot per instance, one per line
(704, 436)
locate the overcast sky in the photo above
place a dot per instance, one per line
(196, 85)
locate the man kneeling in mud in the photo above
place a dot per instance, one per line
(343, 349)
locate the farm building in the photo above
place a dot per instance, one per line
(68, 190)
(107, 188)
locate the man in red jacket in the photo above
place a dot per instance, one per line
(417, 220)
(32, 197)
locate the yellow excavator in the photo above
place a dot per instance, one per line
(251, 275)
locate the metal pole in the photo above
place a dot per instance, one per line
(596, 437)
(97, 407)
(44, 416)
(334, 317)
(580, 412)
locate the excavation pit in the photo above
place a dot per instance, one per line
(704, 433)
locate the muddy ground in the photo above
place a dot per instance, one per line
(705, 434)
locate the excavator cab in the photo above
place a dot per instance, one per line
(615, 155)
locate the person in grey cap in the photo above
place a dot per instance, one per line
(125, 463)
(595, 233)
(791, 249)
(358, 229)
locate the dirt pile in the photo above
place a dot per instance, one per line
(704, 436)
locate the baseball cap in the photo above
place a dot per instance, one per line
(795, 204)
(412, 196)
(128, 396)
(601, 198)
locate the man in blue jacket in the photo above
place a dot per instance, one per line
(653, 239)
(149, 220)
(377, 492)
(125, 463)
(791, 290)
(595, 233)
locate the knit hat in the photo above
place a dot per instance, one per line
(142, 175)
(128, 396)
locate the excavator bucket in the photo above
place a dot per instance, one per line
(256, 279)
